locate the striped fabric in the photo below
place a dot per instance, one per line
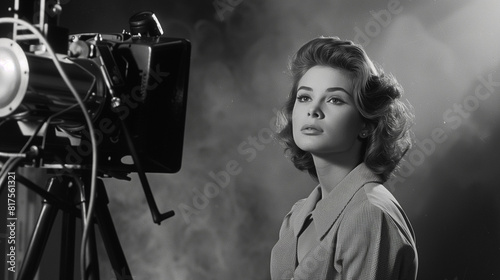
(362, 233)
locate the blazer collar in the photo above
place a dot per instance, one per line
(326, 211)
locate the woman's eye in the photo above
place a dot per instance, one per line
(336, 101)
(303, 98)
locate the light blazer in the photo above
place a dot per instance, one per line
(362, 230)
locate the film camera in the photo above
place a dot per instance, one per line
(139, 78)
(124, 93)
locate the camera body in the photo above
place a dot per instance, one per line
(139, 80)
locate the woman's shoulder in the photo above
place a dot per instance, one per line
(375, 230)
(372, 206)
(375, 197)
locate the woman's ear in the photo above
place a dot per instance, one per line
(363, 134)
(366, 129)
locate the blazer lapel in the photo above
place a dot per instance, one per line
(306, 208)
(329, 208)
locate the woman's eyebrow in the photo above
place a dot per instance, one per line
(305, 88)
(332, 89)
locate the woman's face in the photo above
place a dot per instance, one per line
(325, 121)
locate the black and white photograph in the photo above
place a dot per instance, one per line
(250, 140)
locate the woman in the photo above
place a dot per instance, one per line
(345, 125)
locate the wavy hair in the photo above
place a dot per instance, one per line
(376, 96)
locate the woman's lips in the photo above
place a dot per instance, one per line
(311, 129)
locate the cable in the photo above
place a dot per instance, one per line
(57, 64)
(32, 136)
(9, 165)
(21, 154)
(49, 120)
(2, 154)
(5, 170)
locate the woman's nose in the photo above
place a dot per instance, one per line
(315, 112)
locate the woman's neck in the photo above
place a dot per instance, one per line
(331, 171)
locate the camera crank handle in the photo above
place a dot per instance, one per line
(157, 216)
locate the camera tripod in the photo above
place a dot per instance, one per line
(66, 192)
(63, 193)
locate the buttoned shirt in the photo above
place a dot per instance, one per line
(362, 233)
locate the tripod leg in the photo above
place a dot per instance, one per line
(40, 234)
(67, 261)
(109, 236)
(91, 256)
